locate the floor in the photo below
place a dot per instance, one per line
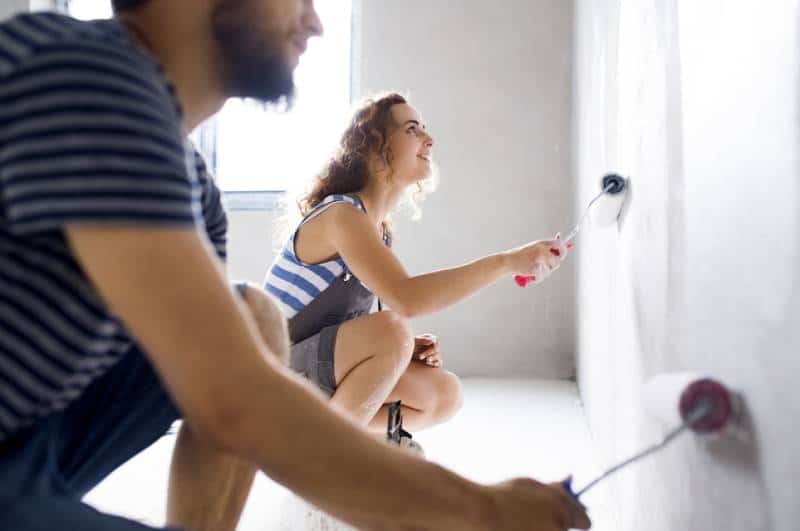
(507, 428)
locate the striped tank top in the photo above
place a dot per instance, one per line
(296, 283)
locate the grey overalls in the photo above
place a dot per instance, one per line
(313, 330)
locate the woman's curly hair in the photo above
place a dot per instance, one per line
(348, 170)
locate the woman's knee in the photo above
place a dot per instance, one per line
(450, 395)
(396, 338)
(269, 320)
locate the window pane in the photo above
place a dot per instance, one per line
(267, 150)
(90, 9)
(257, 149)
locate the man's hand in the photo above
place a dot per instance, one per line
(527, 505)
(426, 350)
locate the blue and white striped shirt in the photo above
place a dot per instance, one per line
(90, 133)
(295, 283)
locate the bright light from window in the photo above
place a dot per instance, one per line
(90, 9)
(260, 149)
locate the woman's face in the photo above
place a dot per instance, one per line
(410, 144)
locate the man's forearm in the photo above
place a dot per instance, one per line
(236, 396)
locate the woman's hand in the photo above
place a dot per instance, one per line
(426, 350)
(537, 260)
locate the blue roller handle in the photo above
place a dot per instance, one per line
(567, 484)
(697, 414)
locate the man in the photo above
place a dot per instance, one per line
(115, 314)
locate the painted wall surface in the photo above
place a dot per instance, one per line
(252, 237)
(699, 102)
(493, 82)
(494, 86)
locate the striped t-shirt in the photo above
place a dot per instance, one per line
(90, 133)
(296, 283)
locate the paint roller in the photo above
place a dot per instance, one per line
(690, 403)
(613, 191)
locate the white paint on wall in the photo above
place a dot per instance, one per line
(698, 101)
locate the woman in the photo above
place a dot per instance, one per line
(339, 258)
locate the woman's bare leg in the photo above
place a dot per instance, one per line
(429, 397)
(370, 356)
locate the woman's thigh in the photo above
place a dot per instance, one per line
(362, 338)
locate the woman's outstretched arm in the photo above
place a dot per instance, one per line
(358, 242)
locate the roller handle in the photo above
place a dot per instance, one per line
(524, 280)
(567, 484)
(611, 184)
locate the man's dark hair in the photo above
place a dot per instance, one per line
(127, 5)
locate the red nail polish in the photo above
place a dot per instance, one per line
(522, 281)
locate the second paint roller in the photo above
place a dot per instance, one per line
(609, 203)
(704, 406)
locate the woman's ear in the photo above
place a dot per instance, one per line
(388, 157)
(378, 136)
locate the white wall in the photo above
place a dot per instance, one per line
(251, 243)
(493, 81)
(41, 5)
(698, 102)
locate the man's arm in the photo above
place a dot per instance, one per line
(208, 488)
(172, 295)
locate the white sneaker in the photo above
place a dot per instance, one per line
(408, 443)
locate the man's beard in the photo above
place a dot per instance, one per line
(250, 58)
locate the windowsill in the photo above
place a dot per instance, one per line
(258, 201)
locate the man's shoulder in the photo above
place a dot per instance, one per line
(52, 37)
(34, 31)
(55, 64)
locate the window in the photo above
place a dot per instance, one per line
(250, 148)
(89, 9)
